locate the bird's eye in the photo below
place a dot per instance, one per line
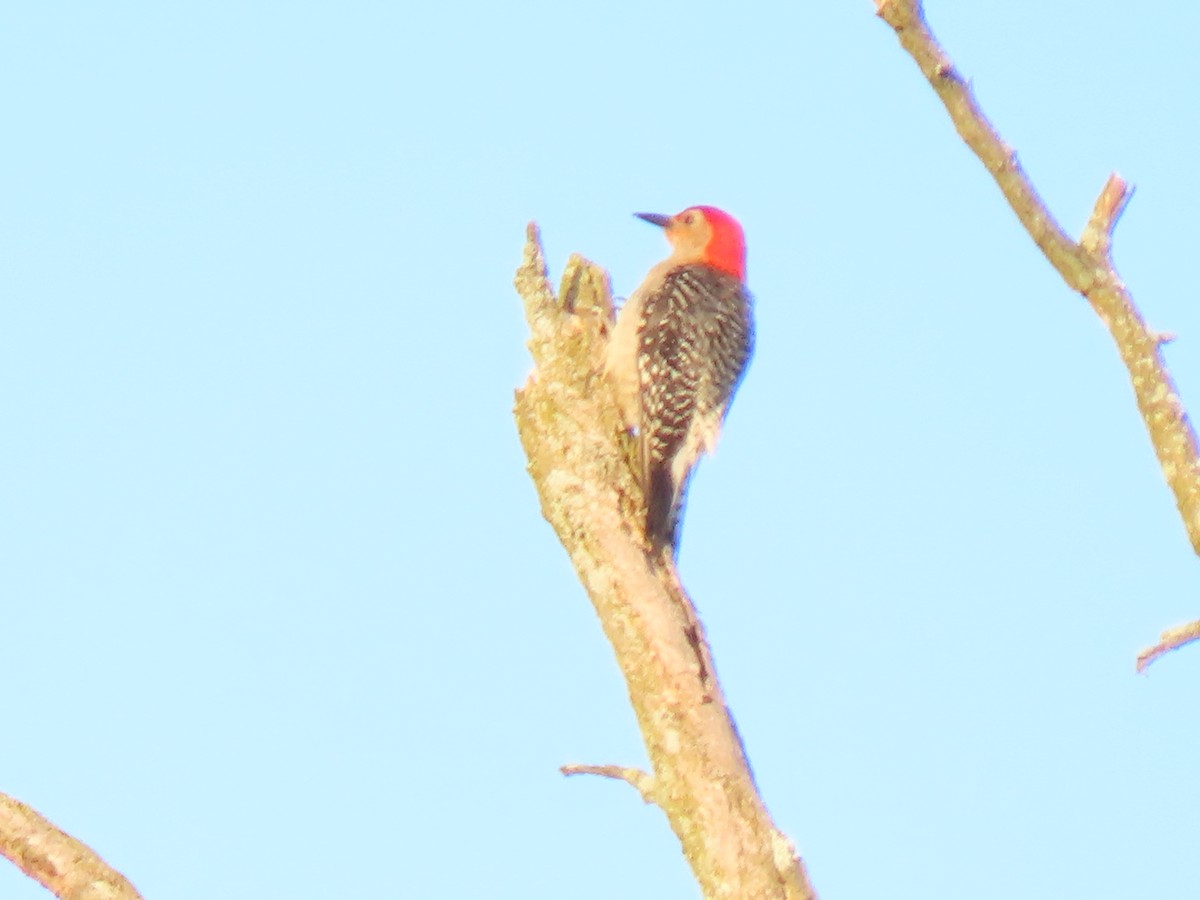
(689, 218)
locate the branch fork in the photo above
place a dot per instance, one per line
(1086, 266)
(579, 461)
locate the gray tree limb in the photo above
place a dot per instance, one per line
(1086, 266)
(580, 462)
(68, 868)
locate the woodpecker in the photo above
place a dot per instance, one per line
(678, 352)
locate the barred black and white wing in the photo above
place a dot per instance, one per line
(694, 344)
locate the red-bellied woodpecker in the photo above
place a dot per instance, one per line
(678, 352)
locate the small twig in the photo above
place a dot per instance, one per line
(1162, 338)
(642, 782)
(1171, 639)
(1097, 234)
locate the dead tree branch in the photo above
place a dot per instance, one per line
(67, 867)
(1171, 639)
(579, 460)
(1085, 265)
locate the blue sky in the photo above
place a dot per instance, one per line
(282, 618)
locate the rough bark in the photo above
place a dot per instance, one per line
(67, 867)
(580, 462)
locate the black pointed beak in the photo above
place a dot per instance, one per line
(654, 219)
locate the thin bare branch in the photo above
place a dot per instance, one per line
(1097, 234)
(1085, 266)
(1171, 639)
(67, 867)
(579, 459)
(642, 782)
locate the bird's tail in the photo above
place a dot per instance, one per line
(664, 511)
